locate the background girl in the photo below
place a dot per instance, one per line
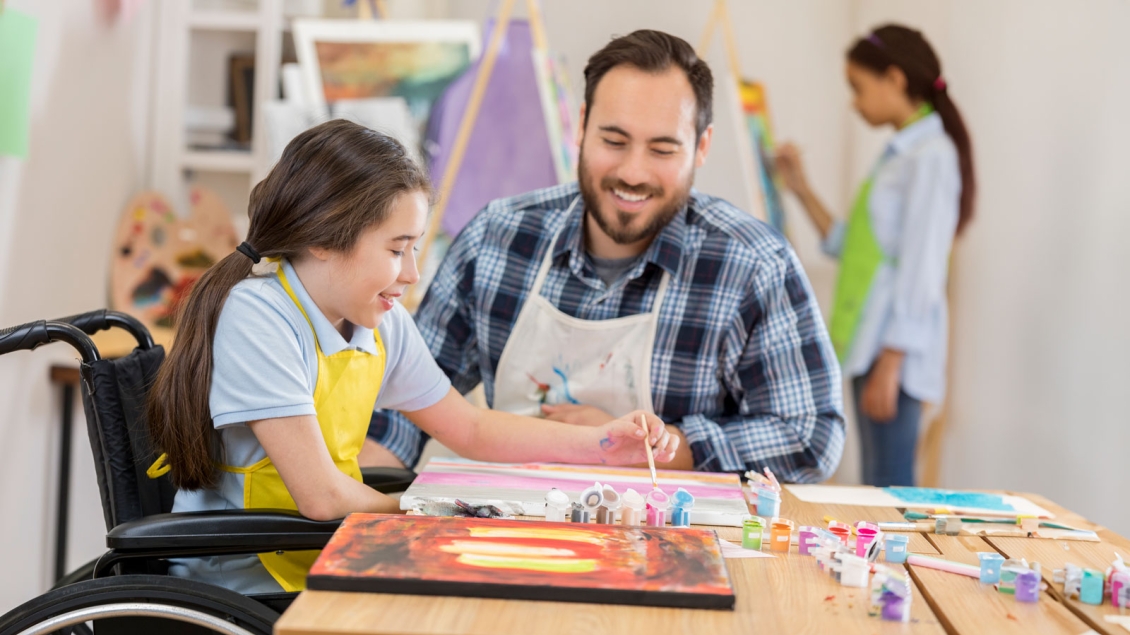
(267, 393)
(889, 321)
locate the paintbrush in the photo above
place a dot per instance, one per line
(650, 456)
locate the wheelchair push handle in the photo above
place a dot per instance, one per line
(92, 322)
(32, 335)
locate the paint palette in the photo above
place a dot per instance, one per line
(523, 560)
(520, 489)
(157, 254)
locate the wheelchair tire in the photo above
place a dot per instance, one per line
(152, 596)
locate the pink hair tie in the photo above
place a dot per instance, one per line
(939, 84)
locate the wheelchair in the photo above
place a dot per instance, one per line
(128, 589)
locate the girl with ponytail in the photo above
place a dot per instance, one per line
(285, 347)
(890, 318)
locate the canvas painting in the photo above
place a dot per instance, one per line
(756, 112)
(356, 59)
(528, 560)
(520, 489)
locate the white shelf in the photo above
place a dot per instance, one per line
(238, 161)
(225, 20)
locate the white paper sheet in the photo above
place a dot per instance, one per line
(731, 550)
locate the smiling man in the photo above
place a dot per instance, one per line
(628, 289)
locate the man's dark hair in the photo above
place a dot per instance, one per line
(654, 52)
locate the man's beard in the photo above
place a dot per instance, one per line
(618, 228)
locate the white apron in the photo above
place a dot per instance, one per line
(554, 358)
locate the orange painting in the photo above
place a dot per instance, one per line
(517, 559)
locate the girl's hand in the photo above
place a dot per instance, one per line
(880, 397)
(790, 168)
(621, 440)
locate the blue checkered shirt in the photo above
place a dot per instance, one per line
(742, 362)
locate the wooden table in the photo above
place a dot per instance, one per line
(786, 594)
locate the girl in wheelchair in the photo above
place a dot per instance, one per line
(284, 346)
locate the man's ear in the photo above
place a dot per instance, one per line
(703, 147)
(580, 134)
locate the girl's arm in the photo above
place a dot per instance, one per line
(493, 435)
(791, 169)
(321, 490)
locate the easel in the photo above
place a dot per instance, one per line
(467, 123)
(720, 19)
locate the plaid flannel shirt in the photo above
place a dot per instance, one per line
(742, 362)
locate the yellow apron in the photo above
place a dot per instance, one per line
(344, 396)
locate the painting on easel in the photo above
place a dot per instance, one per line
(525, 560)
(756, 114)
(157, 255)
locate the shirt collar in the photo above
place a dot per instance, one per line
(926, 127)
(666, 251)
(329, 340)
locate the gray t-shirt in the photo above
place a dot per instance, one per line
(265, 366)
(610, 269)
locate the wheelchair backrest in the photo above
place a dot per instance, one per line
(113, 395)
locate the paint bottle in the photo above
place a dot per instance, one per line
(580, 515)
(807, 537)
(631, 508)
(865, 534)
(768, 503)
(752, 529)
(606, 513)
(1028, 586)
(780, 534)
(556, 504)
(657, 503)
(990, 567)
(853, 571)
(947, 526)
(895, 547)
(1120, 589)
(681, 503)
(1091, 588)
(841, 530)
(591, 498)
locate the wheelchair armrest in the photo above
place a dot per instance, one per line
(230, 531)
(387, 479)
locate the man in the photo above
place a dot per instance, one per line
(629, 290)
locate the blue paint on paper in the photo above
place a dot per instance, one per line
(950, 498)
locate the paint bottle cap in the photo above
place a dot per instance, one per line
(592, 496)
(682, 499)
(632, 499)
(769, 494)
(753, 522)
(657, 499)
(611, 499)
(557, 498)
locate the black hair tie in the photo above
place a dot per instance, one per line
(249, 251)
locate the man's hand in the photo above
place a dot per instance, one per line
(374, 454)
(880, 397)
(576, 414)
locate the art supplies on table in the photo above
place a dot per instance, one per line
(954, 502)
(520, 489)
(515, 559)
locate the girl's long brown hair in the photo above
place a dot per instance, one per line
(894, 45)
(332, 183)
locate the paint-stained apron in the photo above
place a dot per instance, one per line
(554, 358)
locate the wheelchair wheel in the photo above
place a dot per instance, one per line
(145, 600)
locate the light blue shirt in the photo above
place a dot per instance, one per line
(914, 204)
(265, 366)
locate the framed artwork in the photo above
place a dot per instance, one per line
(520, 488)
(525, 560)
(359, 59)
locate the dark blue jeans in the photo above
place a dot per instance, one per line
(888, 448)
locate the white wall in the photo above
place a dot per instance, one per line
(58, 210)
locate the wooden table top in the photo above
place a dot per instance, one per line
(785, 594)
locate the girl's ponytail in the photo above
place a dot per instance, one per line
(180, 419)
(955, 128)
(333, 182)
(907, 49)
